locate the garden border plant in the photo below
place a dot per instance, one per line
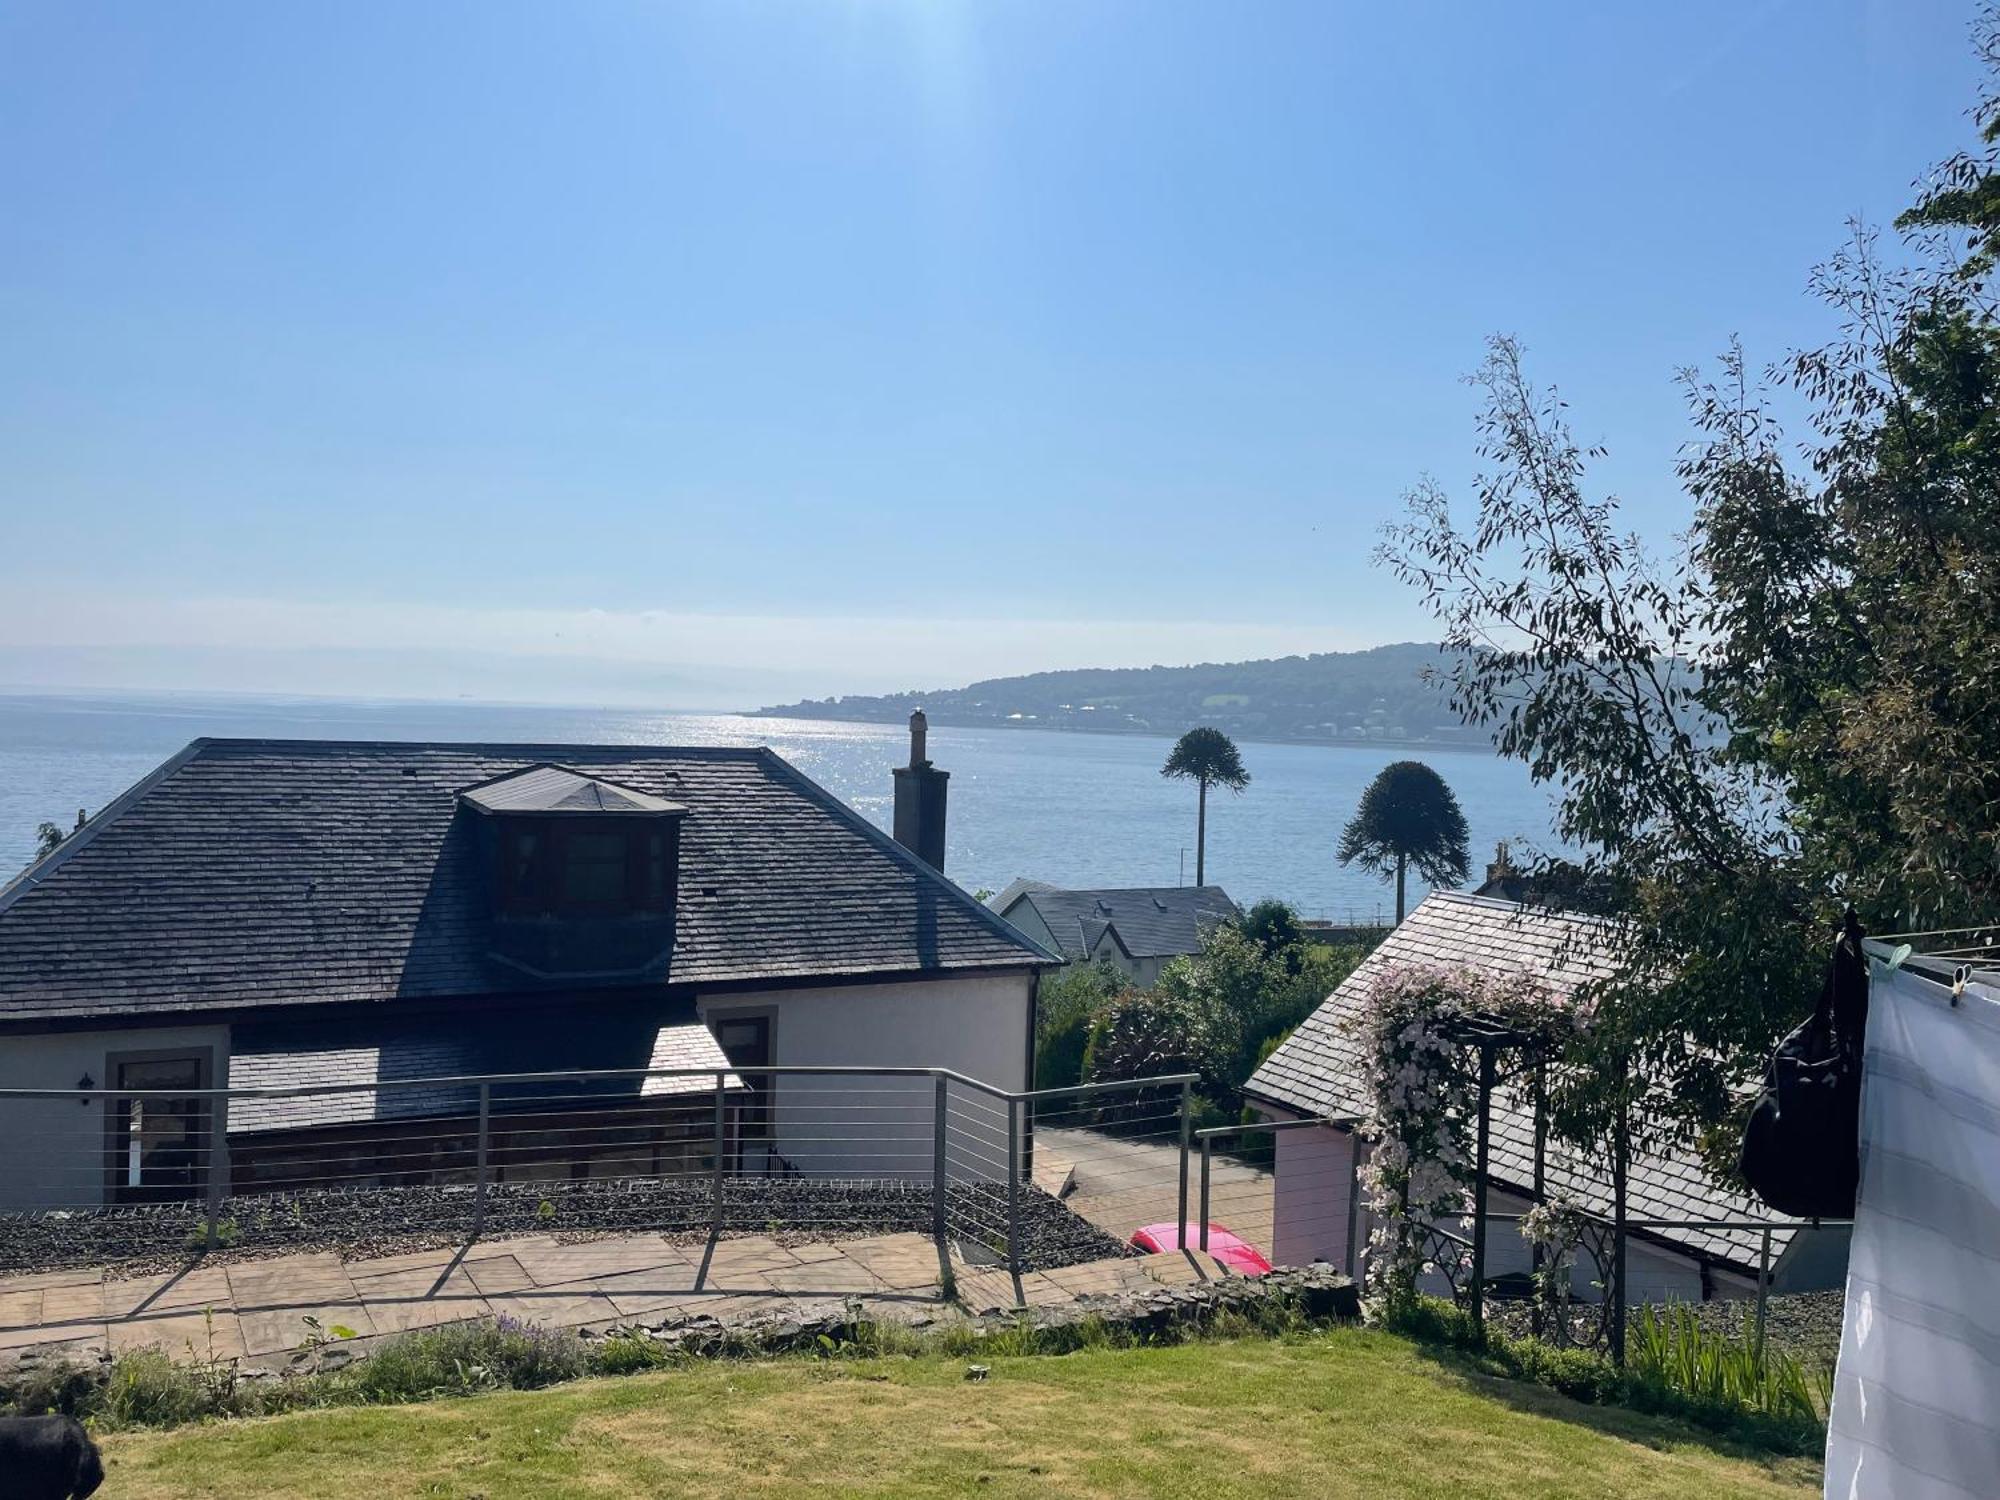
(1776, 1413)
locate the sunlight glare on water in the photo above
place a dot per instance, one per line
(1071, 809)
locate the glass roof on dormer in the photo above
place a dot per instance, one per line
(557, 789)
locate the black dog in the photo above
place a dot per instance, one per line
(47, 1458)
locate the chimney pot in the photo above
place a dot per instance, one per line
(919, 735)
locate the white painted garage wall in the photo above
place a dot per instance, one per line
(883, 1126)
(54, 1149)
(1313, 1187)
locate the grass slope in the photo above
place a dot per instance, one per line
(1349, 1413)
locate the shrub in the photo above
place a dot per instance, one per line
(148, 1388)
(1059, 1051)
(1145, 1034)
(71, 1389)
(1670, 1346)
(630, 1353)
(506, 1353)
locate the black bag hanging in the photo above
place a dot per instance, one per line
(1802, 1146)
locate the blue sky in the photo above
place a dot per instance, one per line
(707, 354)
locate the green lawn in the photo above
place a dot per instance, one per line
(1347, 1413)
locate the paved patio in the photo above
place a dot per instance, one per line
(1120, 1185)
(257, 1310)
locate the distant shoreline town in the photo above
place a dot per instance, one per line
(1381, 696)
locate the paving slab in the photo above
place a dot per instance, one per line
(749, 1254)
(984, 1290)
(188, 1288)
(417, 1260)
(81, 1301)
(201, 1336)
(278, 1330)
(807, 1255)
(291, 1280)
(560, 1307)
(827, 1278)
(492, 1277)
(41, 1280)
(419, 1296)
(553, 1264)
(84, 1334)
(639, 1292)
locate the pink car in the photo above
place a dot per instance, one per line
(1224, 1244)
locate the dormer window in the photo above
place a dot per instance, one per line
(576, 862)
(565, 867)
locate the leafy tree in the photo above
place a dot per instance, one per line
(1794, 710)
(1274, 927)
(1067, 1006)
(1216, 1010)
(49, 837)
(1207, 757)
(1407, 816)
(1150, 1034)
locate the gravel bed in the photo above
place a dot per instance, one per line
(1803, 1324)
(363, 1222)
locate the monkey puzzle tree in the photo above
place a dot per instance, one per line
(1207, 757)
(1407, 816)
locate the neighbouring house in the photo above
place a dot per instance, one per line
(1135, 931)
(1319, 1073)
(266, 914)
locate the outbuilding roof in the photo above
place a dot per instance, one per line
(1319, 1069)
(1149, 921)
(258, 873)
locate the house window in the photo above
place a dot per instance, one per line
(594, 871)
(653, 891)
(746, 1042)
(157, 1148)
(519, 884)
(566, 868)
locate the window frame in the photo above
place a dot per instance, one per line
(756, 1117)
(117, 1125)
(544, 896)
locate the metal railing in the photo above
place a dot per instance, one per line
(1603, 1323)
(102, 1175)
(1301, 1224)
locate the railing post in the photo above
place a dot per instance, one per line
(1206, 1144)
(939, 1227)
(721, 1145)
(1619, 1151)
(1763, 1290)
(480, 1151)
(1187, 1139)
(218, 1166)
(1483, 1158)
(1014, 1184)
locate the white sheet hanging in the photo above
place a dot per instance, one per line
(1916, 1406)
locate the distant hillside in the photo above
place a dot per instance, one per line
(1334, 696)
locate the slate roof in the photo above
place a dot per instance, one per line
(421, 1058)
(1318, 1070)
(1150, 921)
(253, 873)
